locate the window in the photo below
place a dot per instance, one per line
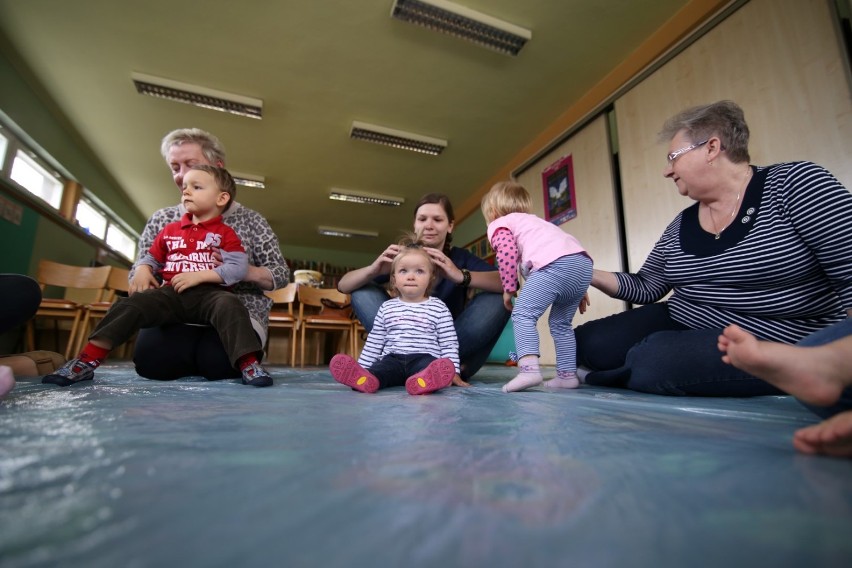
(98, 220)
(22, 161)
(36, 179)
(91, 220)
(121, 241)
(4, 144)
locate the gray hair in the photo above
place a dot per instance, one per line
(210, 146)
(724, 119)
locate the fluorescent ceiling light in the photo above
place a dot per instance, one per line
(363, 197)
(249, 180)
(198, 96)
(346, 233)
(397, 138)
(462, 22)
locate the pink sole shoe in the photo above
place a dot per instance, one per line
(437, 375)
(347, 371)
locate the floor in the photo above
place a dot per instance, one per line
(135, 473)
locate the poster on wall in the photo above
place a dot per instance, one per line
(560, 203)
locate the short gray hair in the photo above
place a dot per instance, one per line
(724, 119)
(210, 146)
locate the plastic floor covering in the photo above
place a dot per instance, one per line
(127, 472)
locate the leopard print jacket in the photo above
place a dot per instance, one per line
(260, 243)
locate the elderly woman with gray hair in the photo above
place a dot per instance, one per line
(768, 248)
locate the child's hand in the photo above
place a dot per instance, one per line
(143, 279)
(217, 257)
(507, 300)
(585, 303)
(186, 280)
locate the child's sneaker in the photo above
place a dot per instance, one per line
(437, 375)
(74, 371)
(256, 376)
(347, 371)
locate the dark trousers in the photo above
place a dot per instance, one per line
(170, 352)
(647, 351)
(20, 297)
(204, 304)
(392, 370)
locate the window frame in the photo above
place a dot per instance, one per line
(16, 143)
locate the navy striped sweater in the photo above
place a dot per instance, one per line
(782, 269)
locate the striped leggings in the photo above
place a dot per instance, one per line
(560, 285)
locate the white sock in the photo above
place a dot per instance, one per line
(529, 376)
(563, 380)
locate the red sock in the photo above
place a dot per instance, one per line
(246, 360)
(93, 355)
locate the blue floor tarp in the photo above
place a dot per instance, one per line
(129, 472)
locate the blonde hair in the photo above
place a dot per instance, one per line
(505, 197)
(411, 243)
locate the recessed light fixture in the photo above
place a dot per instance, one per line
(397, 138)
(249, 180)
(198, 96)
(364, 197)
(346, 233)
(462, 22)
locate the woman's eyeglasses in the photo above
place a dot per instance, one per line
(672, 156)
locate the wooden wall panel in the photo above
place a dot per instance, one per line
(781, 60)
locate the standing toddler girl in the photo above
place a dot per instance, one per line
(557, 272)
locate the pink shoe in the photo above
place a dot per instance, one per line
(437, 375)
(347, 371)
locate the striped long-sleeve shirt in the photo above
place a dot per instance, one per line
(782, 269)
(407, 327)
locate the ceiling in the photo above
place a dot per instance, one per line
(319, 65)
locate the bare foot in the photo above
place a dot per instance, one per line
(460, 382)
(832, 437)
(811, 374)
(7, 380)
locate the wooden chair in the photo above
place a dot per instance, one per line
(118, 282)
(328, 310)
(355, 338)
(282, 317)
(72, 278)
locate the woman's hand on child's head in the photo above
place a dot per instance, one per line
(446, 267)
(382, 263)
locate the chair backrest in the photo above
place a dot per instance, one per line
(67, 276)
(328, 300)
(285, 295)
(118, 281)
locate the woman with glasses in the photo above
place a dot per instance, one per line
(768, 248)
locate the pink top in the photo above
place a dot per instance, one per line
(529, 242)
